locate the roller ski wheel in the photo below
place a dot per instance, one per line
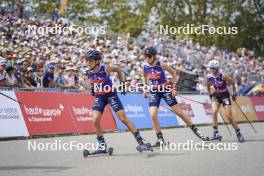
(219, 138)
(86, 153)
(109, 151)
(144, 147)
(158, 144)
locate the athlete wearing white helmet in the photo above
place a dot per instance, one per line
(220, 95)
(213, 64)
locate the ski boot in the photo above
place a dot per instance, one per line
(160, 140)
(216, 137)
(240, 137)
(144, 147)
(159, 143)
(198, 133)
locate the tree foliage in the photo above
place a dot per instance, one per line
(130, 16)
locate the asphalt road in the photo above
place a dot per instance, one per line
(248, 159)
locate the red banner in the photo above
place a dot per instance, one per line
(45, 113)
(80, 107)
(258, 106)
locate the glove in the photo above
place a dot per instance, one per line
(123, 83)
(234, 97)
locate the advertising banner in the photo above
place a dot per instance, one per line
(246, 106)
(46, 113)
(12, 123)
(258, 106)
(80, 107)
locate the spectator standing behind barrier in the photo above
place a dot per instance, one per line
(2, 73)
(29, 78)
(83, 81)
(55, 15)
(60, 80)
(11, 80)
(18, 75)
(48, 77)
(69, 79)
(24, 65)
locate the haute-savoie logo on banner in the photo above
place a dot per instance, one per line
(83, 114)
(40, 114)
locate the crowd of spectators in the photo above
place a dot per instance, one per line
(31, 60)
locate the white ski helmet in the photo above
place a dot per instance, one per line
(213, 64)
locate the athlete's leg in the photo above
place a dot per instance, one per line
(97, 118)
(98, 109)
(228, 113)
(154, 102)
(215, 109)
(153, 110)
(232, 120)
(123, 118)
(172, 102)
(117, 106)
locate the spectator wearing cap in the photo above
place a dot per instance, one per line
(24, 65)
(70, 79)
(2, 74)
(11, 80)
(48, 77)
(29, 80)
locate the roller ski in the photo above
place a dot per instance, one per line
(215, 137)
(144, 147)
(99, 151)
